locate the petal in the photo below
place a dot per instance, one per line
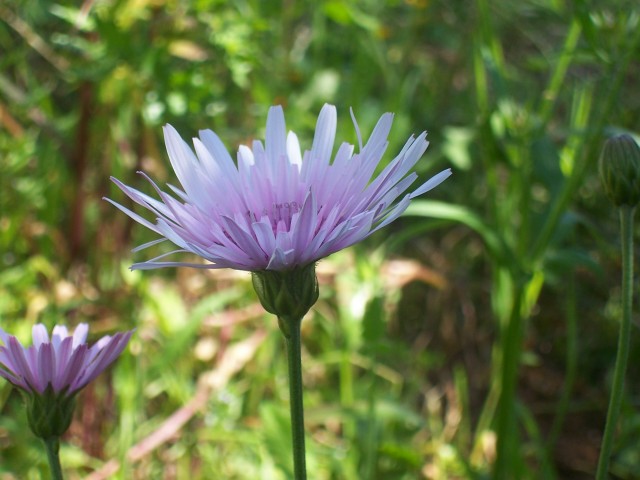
(23, 368)
(4, 336)
(306, 225)
(63, 354)
(325, 134)
(395, 213)
(380, 133)
(184, 163)
(293, 149)
(432, 182)
(148, 244)
(132, 215)
(155, 265)
(276, 138)
(59, 333)
(67, 377)
(46, 366)
(109, 352)
(218, 153)
(80, 335)
(243, 240)
(264, 235)
(39, 334)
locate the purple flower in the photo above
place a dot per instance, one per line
(278, 209)
(64, 362)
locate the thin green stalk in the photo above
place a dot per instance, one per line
(571, 362)
(507, 442)
(52, 446)
(294, 360)
(559, 74)
(626, 228)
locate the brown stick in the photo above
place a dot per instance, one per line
(78, 167)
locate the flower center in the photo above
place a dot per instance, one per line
(278, 212)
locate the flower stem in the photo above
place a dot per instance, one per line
(626, 227)
(291, 329)
(52, 446)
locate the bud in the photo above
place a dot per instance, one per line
(620, 170)
(49, 413)
(287, 293)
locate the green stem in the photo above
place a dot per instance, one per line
(291, 329)
(571, 362)
(626, 227)
(52, 446)
(507, 453)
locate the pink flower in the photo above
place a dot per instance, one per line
(278, 209)
(65, 362)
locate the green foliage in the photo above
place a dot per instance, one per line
(480, 348)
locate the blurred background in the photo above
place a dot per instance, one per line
(473, 338)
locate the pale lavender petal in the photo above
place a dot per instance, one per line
(293, 149)
(245, 241)
(275, 140)
(39, 334)
(154, 265)
(80, 334)
(356, 127)
(219, 154)
(31, 354)
(395, 213)
(4, 336)
(9, 370)
(325, 134)
(63, 354)
(16, 380)
(148, 244)
(103, 359)
(306, 226)
(59, 333)
(46, 367)
(67, 378)
(6, 359)
(132, 215)
(432, 183)
(95, 349)
(23, 369)
(184, 163)
(264, 235)
(380, 133)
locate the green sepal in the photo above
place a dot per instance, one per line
(620, 170)
(49, 414)
(288, 294)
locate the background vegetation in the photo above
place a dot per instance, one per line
(474, 338)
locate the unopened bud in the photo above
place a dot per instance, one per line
(620, 170)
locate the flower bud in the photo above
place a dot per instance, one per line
(620, 170)
(49, 413)
(287, 293)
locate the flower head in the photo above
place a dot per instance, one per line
(278, 209)
(51, 371)
(65, 362)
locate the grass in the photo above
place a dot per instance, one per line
(472, 339)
